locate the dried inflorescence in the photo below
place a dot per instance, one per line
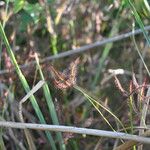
(119, 86)
(134, 88)
(63, 80)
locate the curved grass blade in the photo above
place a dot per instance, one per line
(92, 100)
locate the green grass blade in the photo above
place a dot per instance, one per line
(91, 101)
(139, 21)
(2, 145)
(51, 106)
(106, 50)
(97, 103)
(54, 44)
(25, 84)
(141, 57)
(131, 112)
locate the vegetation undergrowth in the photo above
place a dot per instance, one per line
(25, 85)
(105, 87)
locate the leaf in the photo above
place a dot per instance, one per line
(143, 8)
(18, 5)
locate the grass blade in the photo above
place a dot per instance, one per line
(106, 50)
(25, 84)
(50, 104)
(139, 21)
(92, 100)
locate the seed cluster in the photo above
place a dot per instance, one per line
(63, 80)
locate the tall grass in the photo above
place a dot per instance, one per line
(50, 104)
(106, 50)
(144, 106)
(25, 85)
(114, 30)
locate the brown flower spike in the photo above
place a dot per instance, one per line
(62, 80)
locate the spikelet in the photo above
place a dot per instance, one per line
(119, 86)
(62, 80)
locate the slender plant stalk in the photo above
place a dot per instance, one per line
(92, 101)
(141, 57)
(106, 50)
(50, 28)
(131, 115)
(143, 115)
(50, 104)
(25, 84)
(139, 21)
(131, 112)
(2, 145)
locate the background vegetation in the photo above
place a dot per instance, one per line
(39, 34)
